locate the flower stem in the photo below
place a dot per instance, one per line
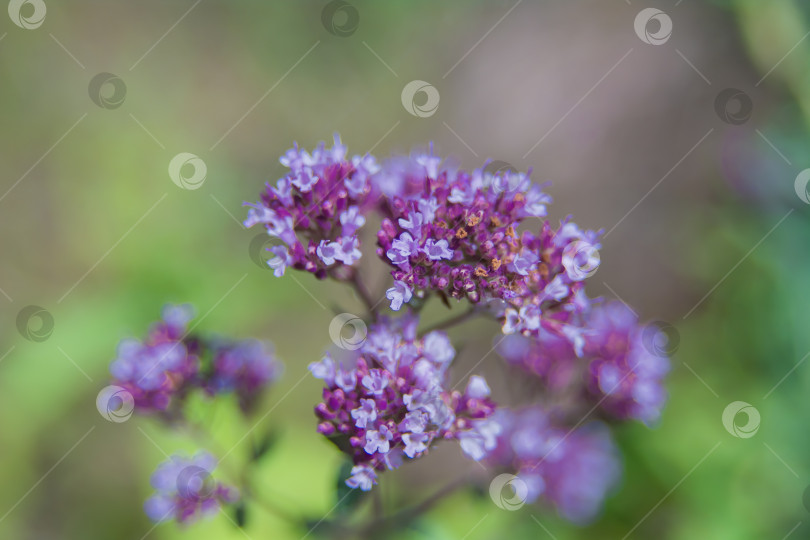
(363, 293)
(379, 525)
(452, 321)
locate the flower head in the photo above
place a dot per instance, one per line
(243, 367)
(318, 208)
(572, 470)
(394, 401)
(160, 371)
(454, 233)
(622, 374)
(185, 490)
(160, 367)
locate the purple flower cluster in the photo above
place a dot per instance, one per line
(322, 201)
(392, 400)
(612, 367)
(458, 236)
(479, 236)
(170, 362)
(185, 490)
(244, 368)
(571, 470)
(624, 369)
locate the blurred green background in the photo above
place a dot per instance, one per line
(704, 231)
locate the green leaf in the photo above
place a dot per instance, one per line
(263, 446)
(347, 498)
(240, 515)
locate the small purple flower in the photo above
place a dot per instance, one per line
(348, 251)
(402, 249)
(556, 289)
(281, 261)
(477, 388)
(524, 262)
(413, 224)
(414, 443)
(304, 180)
(536, 201)
(376, 381)
(324, 369)
(399, 294)
(328, 252)
(356, 185)
(378, 440)
(437, 250)
(511, 322)
(351, 220)
(438, 347)
(415, 422)
(366, 413)
(428, 206)
(478, 442)
(362, 477)
(346, 379)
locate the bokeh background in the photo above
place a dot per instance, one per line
(695, 190)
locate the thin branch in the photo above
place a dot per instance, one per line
(452, 321)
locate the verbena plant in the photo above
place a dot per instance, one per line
(475, 237)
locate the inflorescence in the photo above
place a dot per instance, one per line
(478, 237)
